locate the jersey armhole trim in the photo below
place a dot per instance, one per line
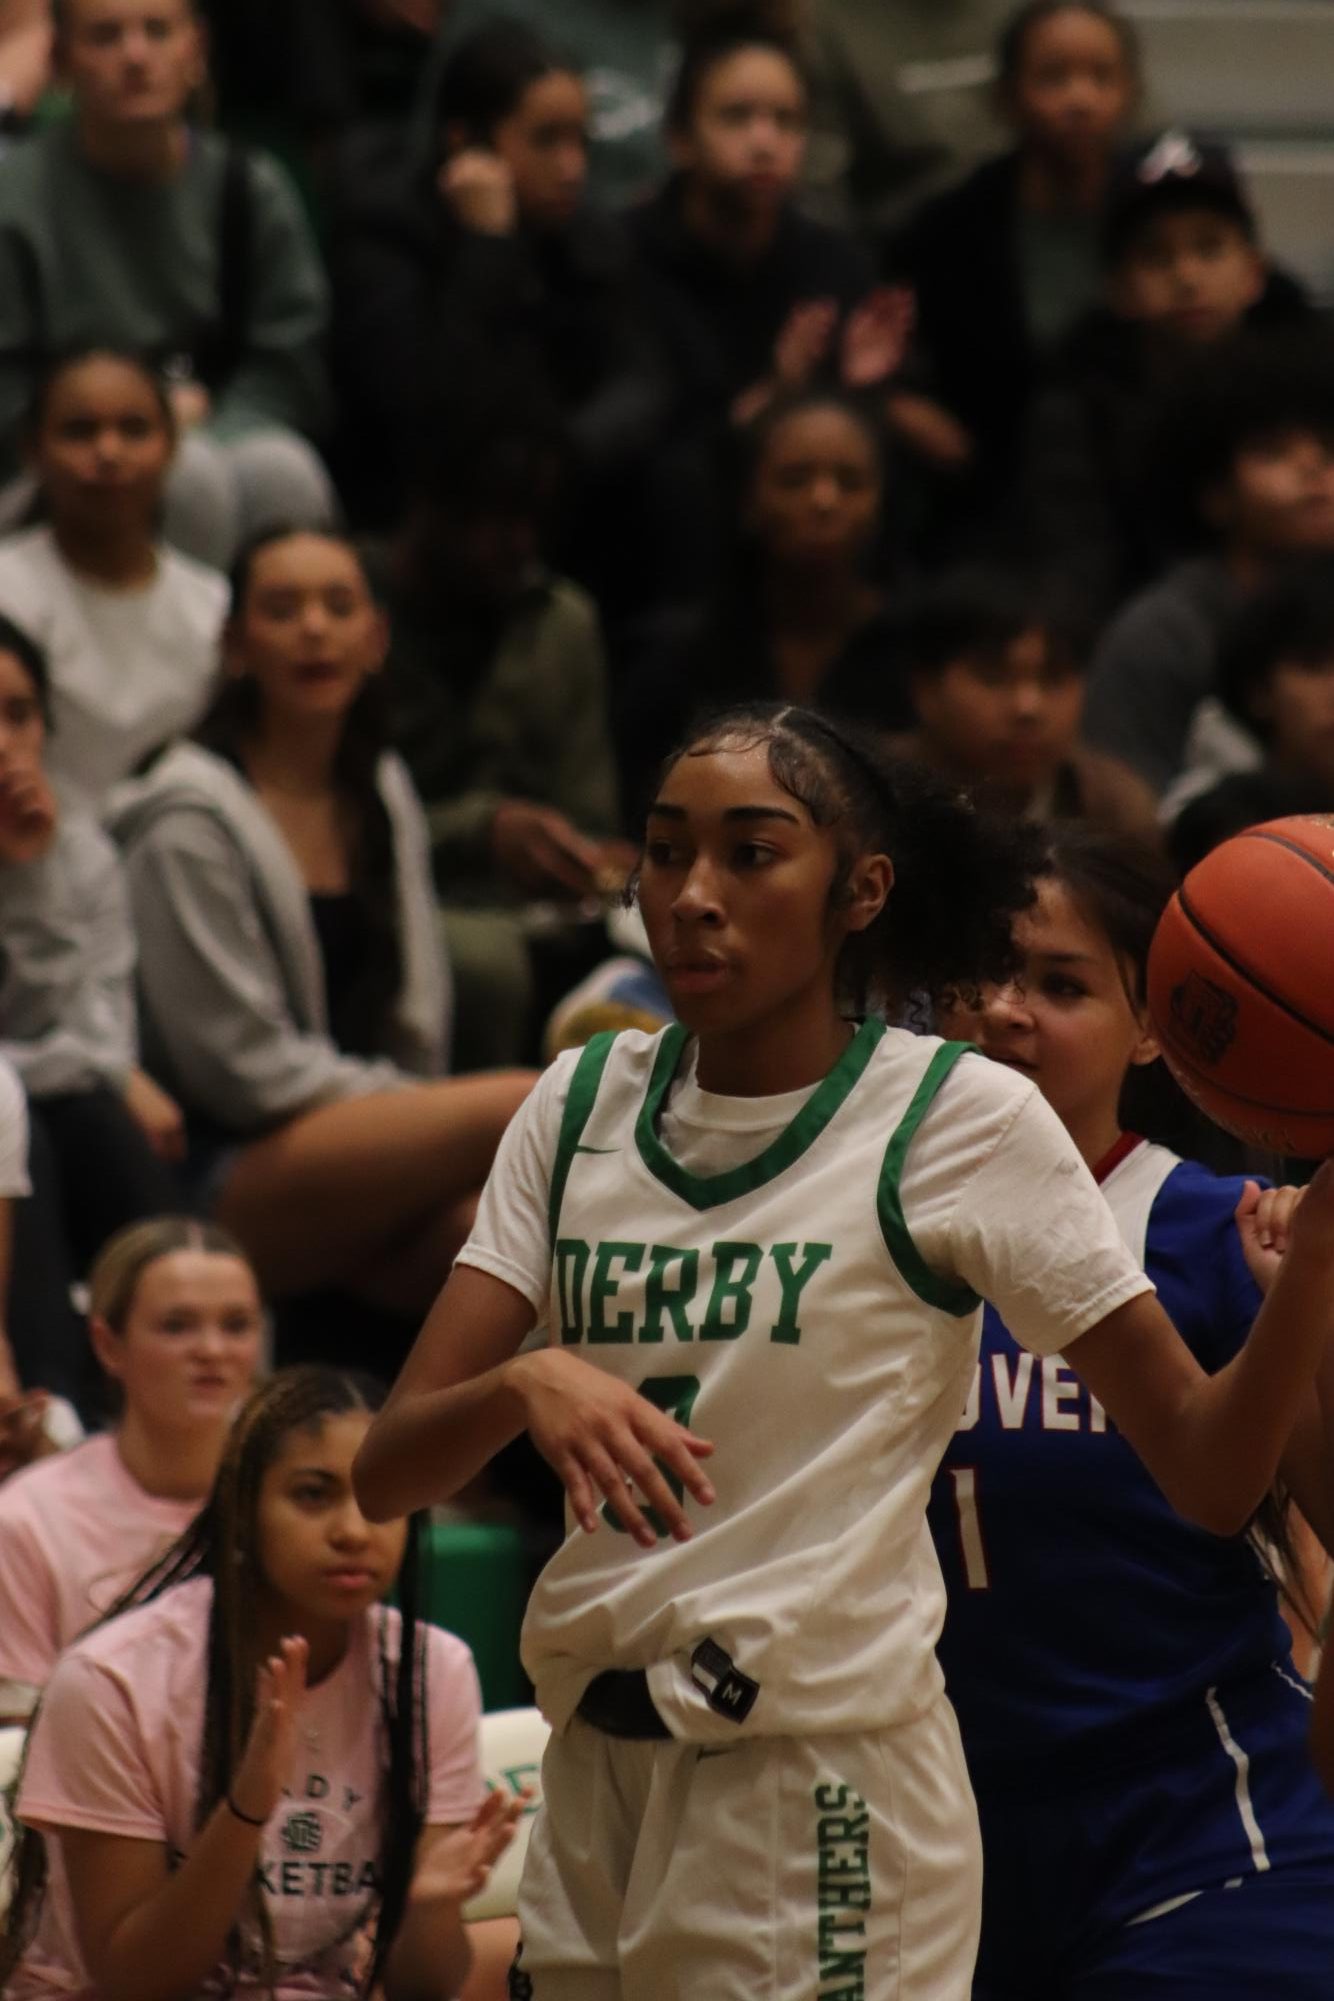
(579, 1103)
(943, 1293)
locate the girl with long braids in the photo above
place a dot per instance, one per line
(175, 1320)
(293, 988)
(255, 1778)
(760, 1241)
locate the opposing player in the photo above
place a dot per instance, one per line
(759, 1240)
(1134, 1726)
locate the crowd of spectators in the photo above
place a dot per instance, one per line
(412, 417)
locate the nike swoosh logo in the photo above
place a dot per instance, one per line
(597, 1149)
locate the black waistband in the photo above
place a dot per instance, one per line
(618, 1703)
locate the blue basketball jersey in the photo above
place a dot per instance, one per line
(1079, 1601)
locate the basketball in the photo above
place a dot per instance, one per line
(1241, 986)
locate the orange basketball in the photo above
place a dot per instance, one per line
(1241, 985)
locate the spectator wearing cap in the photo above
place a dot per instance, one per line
(1185, 270)
(127, 226)
(1245, 472)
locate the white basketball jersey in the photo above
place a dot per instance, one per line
(781, 1310)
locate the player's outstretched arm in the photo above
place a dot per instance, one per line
(466, 1391)
(1214, 1443)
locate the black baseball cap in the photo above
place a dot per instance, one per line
(1168, 174)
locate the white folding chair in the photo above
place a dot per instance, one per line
(513, 1741)
(12, 1739)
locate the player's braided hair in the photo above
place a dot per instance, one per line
(223, 1544)
(961, 876)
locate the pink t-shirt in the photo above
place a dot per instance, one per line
(116, 1749)
(75, 1532)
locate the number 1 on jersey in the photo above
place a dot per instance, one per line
(970, 1528)
(675, 1397)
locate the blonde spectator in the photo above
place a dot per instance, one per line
(176, 1324)
(127, 224)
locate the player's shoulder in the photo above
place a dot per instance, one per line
(970, 1089)
(624, 1055)
(1194, 1254)
(951, 1110)
(1194, 1207)
(611, 1068)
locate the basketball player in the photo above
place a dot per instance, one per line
(758, 1241)
(1135, 1729)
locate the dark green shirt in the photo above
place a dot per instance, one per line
(86, 258)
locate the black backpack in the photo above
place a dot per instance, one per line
(220, 342)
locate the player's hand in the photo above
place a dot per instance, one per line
(604, 1440)
(479, 188)
(803, 341)
(542, 851)
(266, 1763)
(158, 1117)
(458, 1865)
(27, 814)
(1264, 1224)
(1311, 1230)
(876, 336)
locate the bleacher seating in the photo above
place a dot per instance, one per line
(1257, 73)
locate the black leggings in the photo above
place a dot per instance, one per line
(92, 1172)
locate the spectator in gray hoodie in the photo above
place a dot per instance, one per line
(291, 976)
(103, 1136)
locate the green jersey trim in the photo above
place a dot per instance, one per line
(911, 1265)
(711, 1190)
(579, 1103)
